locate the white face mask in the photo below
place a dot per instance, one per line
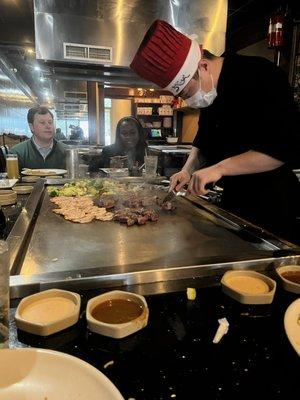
(202, 99)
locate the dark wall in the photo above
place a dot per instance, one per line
(248, 21)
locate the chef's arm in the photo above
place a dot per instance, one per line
(194, 161)
(250, 162)
(181, 178)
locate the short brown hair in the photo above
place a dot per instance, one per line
(208, 55)
(37, 110)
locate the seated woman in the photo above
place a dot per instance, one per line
(130, 142)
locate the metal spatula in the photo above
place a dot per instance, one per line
(171, 195)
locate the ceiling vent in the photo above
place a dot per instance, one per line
(83, 52)
(73, 96)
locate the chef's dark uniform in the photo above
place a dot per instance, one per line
(254, 110)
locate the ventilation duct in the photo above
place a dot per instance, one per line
(109, 32)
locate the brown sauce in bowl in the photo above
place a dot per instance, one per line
(117, 311)
(293, 276)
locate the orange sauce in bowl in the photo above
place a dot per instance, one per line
(117, 311)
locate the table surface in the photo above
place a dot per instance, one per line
(174, 355)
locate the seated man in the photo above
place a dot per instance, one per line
(42, 150)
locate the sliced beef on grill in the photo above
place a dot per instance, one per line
(132, 202)
(131, 221)
(125, 216)
(142, 220)
(137, 216)
(152, 215)
(168, 206)
(108, 202)
(150, 201)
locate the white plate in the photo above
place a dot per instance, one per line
(292, 324)
(7, 183)
(114, 170)
(43, 171)
(39, 374)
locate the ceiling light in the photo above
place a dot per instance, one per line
(42, 79)
(4, 77)
(37, 68)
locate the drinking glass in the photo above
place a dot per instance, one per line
(151, 165)
(72, 162)
(118, 162)
(12, 166)
(83, 171)
(4, 294)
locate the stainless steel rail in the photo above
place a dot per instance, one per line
(155, 281)
(19, 234)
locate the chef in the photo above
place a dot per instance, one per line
(248, 137)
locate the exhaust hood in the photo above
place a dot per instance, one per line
(108, 32)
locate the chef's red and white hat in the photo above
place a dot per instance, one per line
(167, 57)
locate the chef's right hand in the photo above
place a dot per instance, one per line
(178, 180)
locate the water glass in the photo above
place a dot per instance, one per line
(4, 294)
(83, 171)
(151, 165)
(72, 162)
(118, 162)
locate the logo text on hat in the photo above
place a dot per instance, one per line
(181, 81)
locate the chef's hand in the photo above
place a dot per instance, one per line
(178, 180)
(203, 177)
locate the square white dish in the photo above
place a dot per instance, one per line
(45, 301)
(7, 183)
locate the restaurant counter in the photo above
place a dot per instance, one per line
(171, 158)
(174, 356)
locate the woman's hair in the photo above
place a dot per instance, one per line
(141, 145)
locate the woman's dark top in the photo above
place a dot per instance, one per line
(114, 150)
(254, 110)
